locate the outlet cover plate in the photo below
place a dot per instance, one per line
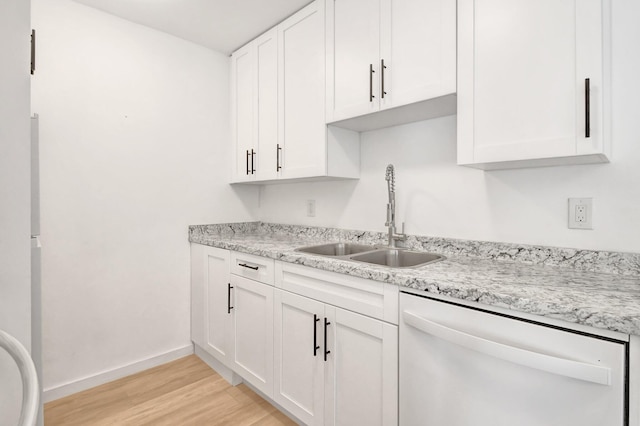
(581, 213)
(311, 208)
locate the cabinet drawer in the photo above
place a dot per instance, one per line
(254, 267)
(371, 298)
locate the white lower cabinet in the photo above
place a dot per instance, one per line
(252, 332)
(210, 320)
(333, 366)
(361, 378)
(323, 346)
(326, 348)
(232, 316)
(299, 364)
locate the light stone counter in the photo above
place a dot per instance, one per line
(597, 289)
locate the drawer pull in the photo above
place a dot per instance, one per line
(244, 265)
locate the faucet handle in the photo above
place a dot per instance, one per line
(402, 234)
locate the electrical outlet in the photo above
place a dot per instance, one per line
(580, 213)
(311, 208)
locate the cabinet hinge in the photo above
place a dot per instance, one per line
(33, 52)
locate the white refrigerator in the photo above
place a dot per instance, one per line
(36, 289)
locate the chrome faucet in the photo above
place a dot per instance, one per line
(390, 177)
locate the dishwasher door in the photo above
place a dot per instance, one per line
(461, 366)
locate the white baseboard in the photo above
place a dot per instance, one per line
(217, 366)
(80, 385)
(275, 404)
(234, 379)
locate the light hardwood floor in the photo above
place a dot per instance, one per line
(182, 392)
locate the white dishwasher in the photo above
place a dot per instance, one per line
(461, 366)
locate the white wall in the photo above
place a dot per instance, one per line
(15, 283)
(134, 148)
(437, 198)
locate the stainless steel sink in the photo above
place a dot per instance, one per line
(385, 256)
(396, 258)
(337, 249)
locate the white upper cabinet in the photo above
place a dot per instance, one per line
(532, 82)
(303, 133)
(254, 108)
(418, 46)
(387, 54)
(278, 107)
(242, 110)
(266, 120)
(353, 35)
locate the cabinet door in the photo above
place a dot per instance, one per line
(198, 298)
(242, 113)
(353, 42)
(361, 385)
(299, 361)
(252, 310)
(266, 118)
(302, 93)
(210, 320)
(418, 47)
(522, 70)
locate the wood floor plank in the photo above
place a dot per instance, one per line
(184, 392)
(122, 394)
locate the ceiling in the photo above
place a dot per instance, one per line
(222, 25)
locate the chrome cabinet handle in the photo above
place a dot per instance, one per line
(247, 167)
(587, 108)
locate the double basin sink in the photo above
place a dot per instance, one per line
(385, 256)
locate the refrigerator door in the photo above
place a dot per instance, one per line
(35, 176)
(461, 367)
(36, 284)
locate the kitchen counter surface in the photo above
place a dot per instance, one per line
(598, 289)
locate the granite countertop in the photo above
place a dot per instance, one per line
(597, 289)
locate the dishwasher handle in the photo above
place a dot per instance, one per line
(560, 366)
